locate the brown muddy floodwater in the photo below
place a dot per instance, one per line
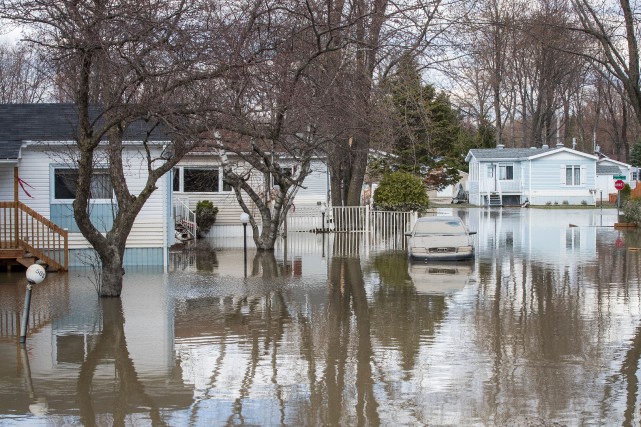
(542, 328)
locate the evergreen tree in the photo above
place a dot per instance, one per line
(430, 140)
(635, 154)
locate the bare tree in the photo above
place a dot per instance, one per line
(23, 78)
(383, 32)
(614, 28)
(140, 63)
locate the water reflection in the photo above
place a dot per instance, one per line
(126, 392)
(544, 325)
(440, 277)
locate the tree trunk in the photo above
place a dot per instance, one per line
(112, 271)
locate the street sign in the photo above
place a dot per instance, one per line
(618, 184)
(618, 176)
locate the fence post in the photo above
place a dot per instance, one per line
(367, 219)
(15, 205)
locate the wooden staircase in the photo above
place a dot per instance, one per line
(26, 237)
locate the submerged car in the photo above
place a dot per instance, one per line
(440, 238)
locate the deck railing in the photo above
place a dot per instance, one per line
(184, 216)
(22, 227)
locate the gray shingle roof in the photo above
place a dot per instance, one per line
(508, 153)
(9, 149)
(49, 122)
(607, 170)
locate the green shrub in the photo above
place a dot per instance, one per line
(401, 191)
(205, 216)
(625, 193)
(632, 210)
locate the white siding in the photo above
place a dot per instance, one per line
(228, 208)
(6, 178)
(35, 169)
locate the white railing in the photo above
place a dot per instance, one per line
(184, 218)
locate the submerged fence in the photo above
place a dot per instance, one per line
(373, 225)
(355, 219)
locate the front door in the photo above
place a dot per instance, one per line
(491, 178)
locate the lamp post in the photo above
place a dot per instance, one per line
(323, 208)
(35, 274)
(244, 219)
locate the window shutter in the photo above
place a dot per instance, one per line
(562, 178)
(583, 175)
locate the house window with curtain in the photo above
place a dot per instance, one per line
(572, 175)
(66, 184)
(506, 172)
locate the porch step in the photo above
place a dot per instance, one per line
(23, 258)
(183, 232)
(495, 200)
(26, 260)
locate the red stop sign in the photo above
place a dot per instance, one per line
(619, 184)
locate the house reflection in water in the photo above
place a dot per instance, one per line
(82, 358)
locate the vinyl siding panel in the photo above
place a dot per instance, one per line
(134, 257)
(228, 208)
(36, 169)
(547, 171)
(6, 178)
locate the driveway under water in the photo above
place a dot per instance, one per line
(542, 328)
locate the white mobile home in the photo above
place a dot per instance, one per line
(199, 176)
(608, 171)
(37, 157)
(538, 176)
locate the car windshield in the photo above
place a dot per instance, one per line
(451, 226)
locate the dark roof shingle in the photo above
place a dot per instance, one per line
(50, 122)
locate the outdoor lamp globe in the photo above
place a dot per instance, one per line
(36, 274)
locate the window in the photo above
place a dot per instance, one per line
(634, 176)
(573, 175)
(66, 183)
(506, 172)
(199, 180)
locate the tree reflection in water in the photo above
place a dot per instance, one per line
(111, 347)
(346, 296)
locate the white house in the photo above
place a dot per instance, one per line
(199, 176)
(608, 171)
(37, 145)
(513, 176)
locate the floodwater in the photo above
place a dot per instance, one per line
(542, 328)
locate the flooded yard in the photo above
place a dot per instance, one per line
(542, 327)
